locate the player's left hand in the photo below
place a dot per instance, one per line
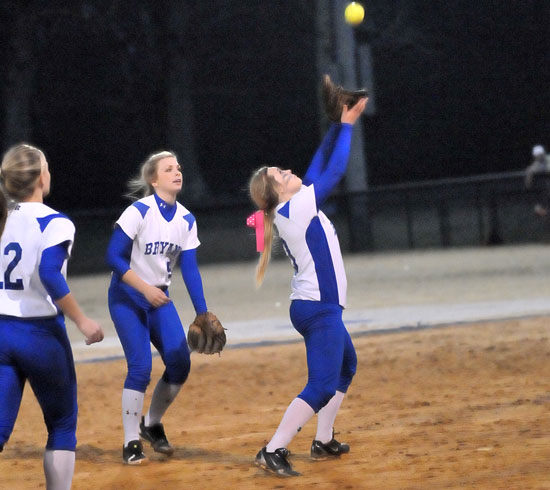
(91, 330)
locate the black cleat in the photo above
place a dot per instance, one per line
(133, 453)
(332, 449)
(276, 462)
(156, 436)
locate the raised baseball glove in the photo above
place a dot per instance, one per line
(206, 334)
(335, 97)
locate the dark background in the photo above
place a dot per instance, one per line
(461, 87)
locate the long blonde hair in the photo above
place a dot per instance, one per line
(141, 186)
(3, 211)
(265, 196)
(21, 168)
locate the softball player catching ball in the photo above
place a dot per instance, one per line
(34, 248)
(318, 289)
(146, 242)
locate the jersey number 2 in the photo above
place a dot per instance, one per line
(8, 282)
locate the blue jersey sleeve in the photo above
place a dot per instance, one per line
(193, 281)
(49, 270)
(335, 167)
(322, 155)
(119, 252)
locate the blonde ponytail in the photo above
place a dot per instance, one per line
(265, 256)
(264, 195)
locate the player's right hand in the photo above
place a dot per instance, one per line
(91, 330)
(157, 297)
(349, 116)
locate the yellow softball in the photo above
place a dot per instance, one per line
(354, 13)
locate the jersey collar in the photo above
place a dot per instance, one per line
(167, 210)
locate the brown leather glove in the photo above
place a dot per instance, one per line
(206, 334)
(335, 97)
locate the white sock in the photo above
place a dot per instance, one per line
(59, 469)
(296, 416)
(132, 406)
(326, 417)
(163, 396)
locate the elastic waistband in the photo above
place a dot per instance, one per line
(41, 321)
(116, 281)
(316, 304)
(23, 319)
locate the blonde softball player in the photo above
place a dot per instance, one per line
(147, 240)
(318, 289)
(34, 248)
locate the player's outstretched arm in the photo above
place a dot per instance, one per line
(320, 159)
(338, 161)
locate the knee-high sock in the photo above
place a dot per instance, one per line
(296, 416)
(132, 406)
(163, 396)
(59, 469)
(326, 417)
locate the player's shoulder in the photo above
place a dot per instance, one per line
(184, 213)
(305, 193)
(301, 203)
(35, 209)
(141, 206)
(45, 216)
(307, 190)
(181, 209)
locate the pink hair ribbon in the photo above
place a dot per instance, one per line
(256, 221)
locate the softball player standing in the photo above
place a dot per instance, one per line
(318, 289)
(34, 248)
(146, 242)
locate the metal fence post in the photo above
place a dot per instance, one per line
(409, 218)
(444, 225)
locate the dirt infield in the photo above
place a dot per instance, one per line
(465, 407)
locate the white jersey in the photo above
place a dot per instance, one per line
(156, 241)
(311, 243)
(31, 228)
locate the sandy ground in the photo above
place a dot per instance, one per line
(451, 408)
(460, 407)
